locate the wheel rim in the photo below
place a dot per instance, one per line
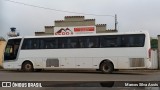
(28, 67)
(105, 68)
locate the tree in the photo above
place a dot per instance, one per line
(154, 43)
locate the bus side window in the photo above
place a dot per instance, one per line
(48, 43)
(81, 42)
(132, 40)
(27, 44)
(61, 43)
(68, 42)
(103, 41)
(41, 46)
(35, 43)
(110, 41)
(92, 42)
(74, 42)
(124, 41)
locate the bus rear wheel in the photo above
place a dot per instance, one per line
(27, 67)
(106, 67)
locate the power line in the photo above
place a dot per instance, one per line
(56, 9)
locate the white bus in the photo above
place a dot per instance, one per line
(105, 51)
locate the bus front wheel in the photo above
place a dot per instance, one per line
(106, 67)
(27, 67)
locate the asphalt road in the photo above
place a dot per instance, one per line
(82, 76)
(122, 75)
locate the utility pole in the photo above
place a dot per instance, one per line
(116, 22)
(158, 52)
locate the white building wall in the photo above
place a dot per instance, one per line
(154, 59)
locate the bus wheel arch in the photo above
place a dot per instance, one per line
(106, 66)
(27, 66)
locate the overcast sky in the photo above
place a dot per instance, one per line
(133, 15)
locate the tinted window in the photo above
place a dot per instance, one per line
(48, 43)
(122, 40)
(68, 42)
(89, 42)
(110, 41)
(30, 43)
(133, 40)
(40, 43)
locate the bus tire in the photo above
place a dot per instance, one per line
(106, 67)
(27, 67)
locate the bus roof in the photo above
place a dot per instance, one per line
(121, 33)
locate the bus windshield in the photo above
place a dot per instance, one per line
(11, 49)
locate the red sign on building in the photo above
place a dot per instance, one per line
(74, 30)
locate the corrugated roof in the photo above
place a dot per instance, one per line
(74, 16)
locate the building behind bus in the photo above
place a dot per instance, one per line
(79, 23)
